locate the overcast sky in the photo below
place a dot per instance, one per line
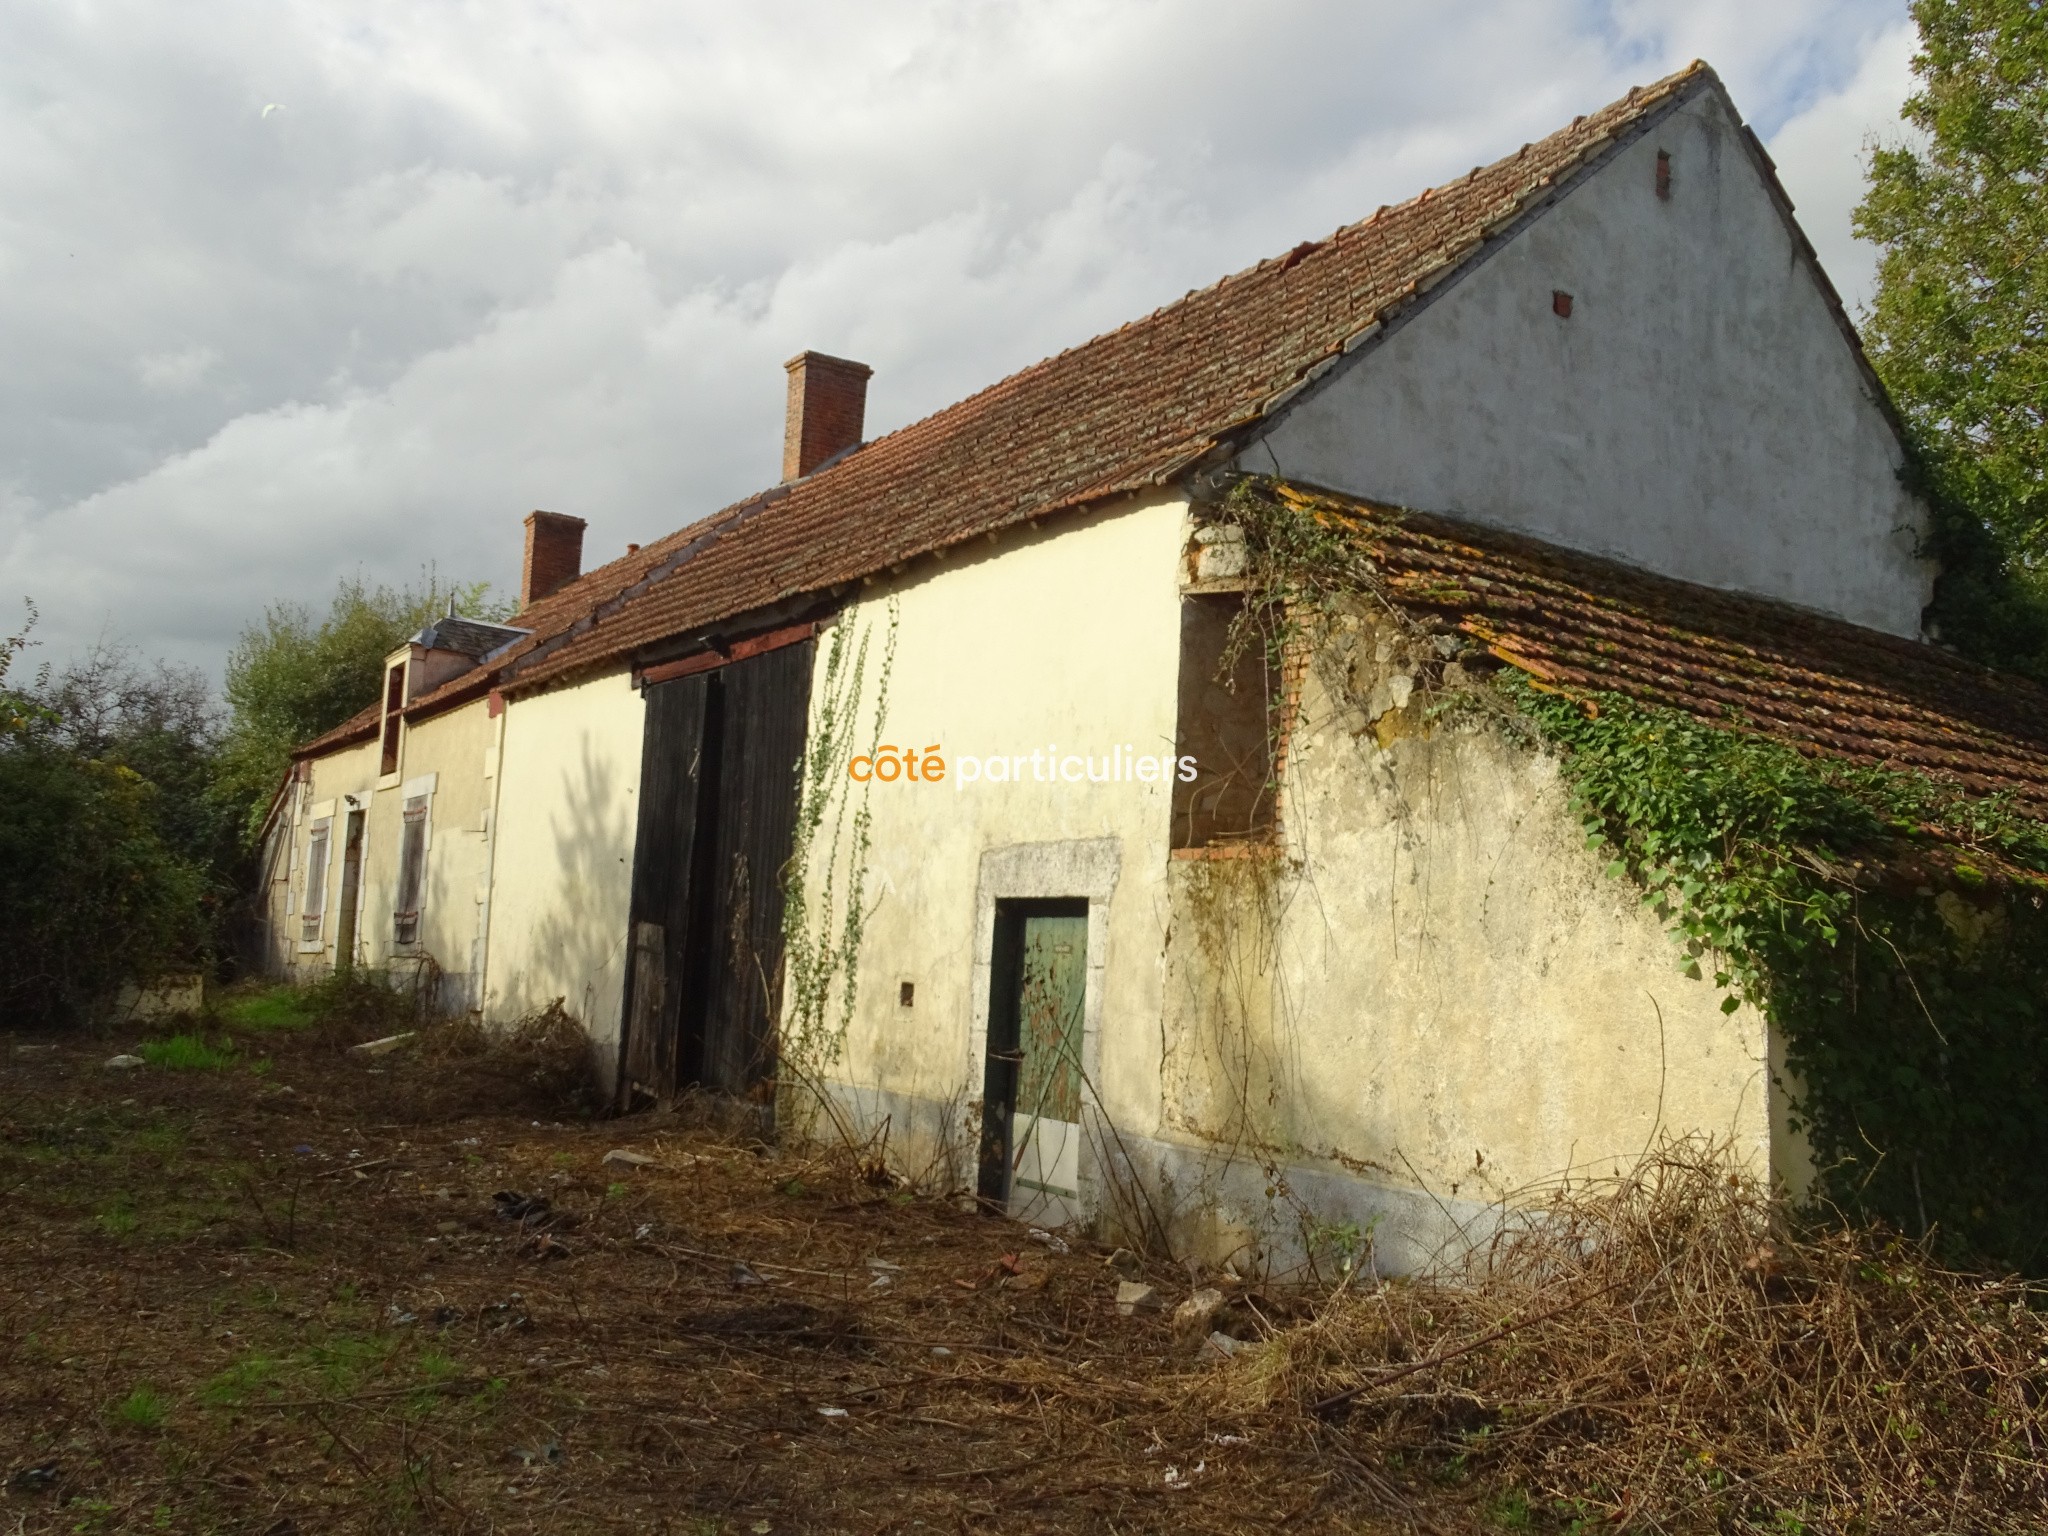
(292, 289)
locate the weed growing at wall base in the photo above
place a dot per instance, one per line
(824, 884)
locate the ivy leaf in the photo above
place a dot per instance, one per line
(1730, 1003)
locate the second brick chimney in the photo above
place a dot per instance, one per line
(554, 555)
(828, 396)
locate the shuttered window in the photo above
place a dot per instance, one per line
(314, 909)
(412, 863)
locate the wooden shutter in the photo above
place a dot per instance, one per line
(412, 859)
(315, 908)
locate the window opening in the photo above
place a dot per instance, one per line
(1225, 726)
(394, 701)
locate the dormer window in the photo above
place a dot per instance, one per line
(394, 701)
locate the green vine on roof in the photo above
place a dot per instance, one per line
(1892, 926)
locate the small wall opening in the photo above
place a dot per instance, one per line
(1226, 726)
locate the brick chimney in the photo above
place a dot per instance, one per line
(554, 555)
(828, 396)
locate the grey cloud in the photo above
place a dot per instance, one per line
(555, 258)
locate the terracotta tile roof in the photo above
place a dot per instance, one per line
(359, 726)
(1122, 412)
(1578, 622)
(554, 617)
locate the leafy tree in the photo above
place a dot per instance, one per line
(1959, 329)
(92, 890)
(18, 715)
(292, 676)
(158, 719)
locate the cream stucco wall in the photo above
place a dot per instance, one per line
(448, 753)
(1066, 638)
(327, 781)
(1431, 997)
(454, 747)
(1433, 986)
(566, 794)
(1699, 413)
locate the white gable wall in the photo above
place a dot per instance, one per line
(1699, 414)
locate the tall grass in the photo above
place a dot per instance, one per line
(190, 1053)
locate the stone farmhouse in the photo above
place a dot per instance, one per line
(1609, 426)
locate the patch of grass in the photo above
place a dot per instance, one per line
(117, 1217)
(245, 1379)
(436, 1366)
(144, 1408)
(273, 1008)
(191, 1053)
(159, 1140)
(342, 1364)
(334, 1367)
(1512, 1512)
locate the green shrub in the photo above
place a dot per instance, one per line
(361, 1004)
(90, 895)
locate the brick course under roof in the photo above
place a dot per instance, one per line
(1583, 624)
(1124, 412)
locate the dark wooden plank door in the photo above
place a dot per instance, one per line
(671, 771)
(763, 719)
(720, 778)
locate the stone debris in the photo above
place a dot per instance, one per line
(1221, 1346)
(1133, 1297)
(1194, 1317)
(628, 1157)
(124, 1063)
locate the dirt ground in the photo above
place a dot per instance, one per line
(294, 1290)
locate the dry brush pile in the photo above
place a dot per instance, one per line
(1658, 1352)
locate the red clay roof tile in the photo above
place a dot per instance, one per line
(1828, 687)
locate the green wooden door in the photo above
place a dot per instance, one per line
(1031, 1102)
(1051, 989)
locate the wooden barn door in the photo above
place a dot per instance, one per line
(720, 781)
(671, 772)
(763, 722)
